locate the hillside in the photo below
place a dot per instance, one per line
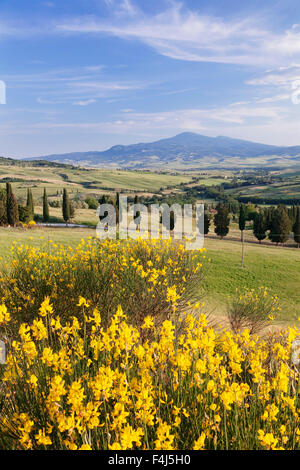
(186, 151)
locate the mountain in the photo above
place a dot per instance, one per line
(185, 150)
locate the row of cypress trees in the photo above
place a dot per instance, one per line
(9, 208)
(11, 213)
(278, 221)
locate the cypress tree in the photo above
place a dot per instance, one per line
(66, 206)
(137, 214)
(297, 227)
(8, 196)
(72, 210)
(222, 220)
(30, 204)
(3, 211)
(269, 216)
(169, 223)
(206, 223)
(280, 226)
(242, 220)
(259, 226)
(118, 208)
(46, 215)
(103, 200)
(11, 206)
(24, 215)
(12, 210)
(8, 189)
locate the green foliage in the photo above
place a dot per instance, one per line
(242, 217)
(137, 213)
(3, 212)
(46, 215)
(222, 220)
(92, 202)
(24, 214)
(296, 227)
(251, 309)
(11, 206)
(72, 210)
(66, 207)
(30, 204)
(206, 223)
(259, 226)
(280, 226)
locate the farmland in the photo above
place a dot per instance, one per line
(86, 181)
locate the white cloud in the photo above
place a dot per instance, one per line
(180, 33)
(71, 85)
(207, 120)
(281, 77)
(188, 35)
(84, 102)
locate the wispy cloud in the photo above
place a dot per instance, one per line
(179, 33)
(84, 103)
(181, 119)
(74, 85)
(281, 77)
(187, 35)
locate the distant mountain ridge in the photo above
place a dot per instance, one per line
(184, 150)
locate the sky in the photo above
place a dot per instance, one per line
(84, 75)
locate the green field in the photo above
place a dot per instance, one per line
(270, 266)
(274, 267)
(86, 181)
(285, 187)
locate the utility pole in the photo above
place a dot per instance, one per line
(243, 245)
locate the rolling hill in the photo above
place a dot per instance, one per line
(185, 151)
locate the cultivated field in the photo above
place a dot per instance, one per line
(86, 181)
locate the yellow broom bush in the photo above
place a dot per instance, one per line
(62, 388)
(143, 275)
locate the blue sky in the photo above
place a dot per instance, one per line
(88, 74)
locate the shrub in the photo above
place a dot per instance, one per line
(150, 277)
(252, 309)
(62, 389)
(92, 203)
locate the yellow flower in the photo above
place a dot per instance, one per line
(83, 301)
(42, 439)
(85, 447)
(148, 322)
(46, 307)
(4, 315)
(199, 444)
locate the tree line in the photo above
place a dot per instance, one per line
(275, 223)
(12, 212)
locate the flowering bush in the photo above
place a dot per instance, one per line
(149, 277)
(253, 309)
(204, 389)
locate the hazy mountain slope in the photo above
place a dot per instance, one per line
(183, 149)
